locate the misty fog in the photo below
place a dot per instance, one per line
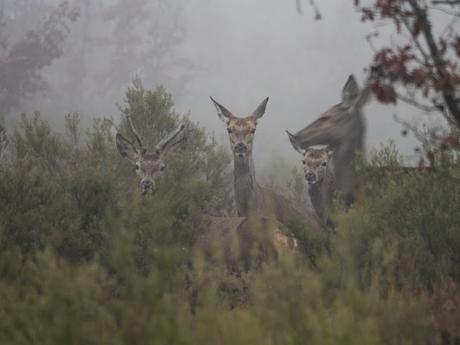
(237, 51)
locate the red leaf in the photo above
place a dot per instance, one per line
(419, 76)
(417, 27)
(384, 93)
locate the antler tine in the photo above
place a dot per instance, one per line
(173, 139)
(133, 130)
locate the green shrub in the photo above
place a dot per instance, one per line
(84, 258)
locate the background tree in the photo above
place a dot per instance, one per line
(23, 58)
(421, 66)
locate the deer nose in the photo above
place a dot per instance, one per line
(146, 185)
(240, 148)
(310, 177)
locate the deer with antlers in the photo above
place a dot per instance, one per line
(149, 165)
(342, 128)
(221, 230)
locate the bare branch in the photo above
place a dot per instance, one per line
(316, 9)
(446, 2)
(447, 90)
(312, 4)
(413, 102)
(414, 129)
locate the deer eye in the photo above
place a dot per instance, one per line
(229, 130)
(253, 130)
(303, 161)
(137, 166)
(162, 167)
(324, 164)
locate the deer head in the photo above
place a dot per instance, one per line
(241, 130)
(315, 163)
(150, 166)
(337, 123)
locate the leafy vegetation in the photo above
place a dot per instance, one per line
(85, 259)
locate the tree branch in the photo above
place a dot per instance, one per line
(447, 90)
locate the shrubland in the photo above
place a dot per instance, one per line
(86, 259)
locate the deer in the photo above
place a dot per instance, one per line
(150, 166)
(319, 175)
(342, 129)
(250, 198)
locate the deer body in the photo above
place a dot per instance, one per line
(342, 128)
(319, 175)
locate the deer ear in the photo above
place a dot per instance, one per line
(350, 90)
(224, 114)
(126, 148)
(260, 111)
(294, 144)
(172, 141)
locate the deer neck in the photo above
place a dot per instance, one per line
(244, 182)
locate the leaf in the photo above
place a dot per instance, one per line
(384, 93)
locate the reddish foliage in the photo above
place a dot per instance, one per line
(384, 93)
(425, 62)
(22, 62)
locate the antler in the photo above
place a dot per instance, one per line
(133, 130)
(172, 140)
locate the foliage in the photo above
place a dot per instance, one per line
(21, 62)
(84, 258)
(426, 62)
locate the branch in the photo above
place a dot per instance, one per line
(413, 102)
(446, 2)
(312, 4)
(413, 128)
(447, 90)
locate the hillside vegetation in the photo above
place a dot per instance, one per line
(85, 259)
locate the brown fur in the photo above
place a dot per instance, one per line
(342, 128)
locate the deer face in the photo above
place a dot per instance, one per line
(241, 131)
(315, 163)
(150, 166)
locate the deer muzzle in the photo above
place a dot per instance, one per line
(147, 186)
(240, 149)
(311, 177)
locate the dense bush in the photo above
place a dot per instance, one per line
(84, 258)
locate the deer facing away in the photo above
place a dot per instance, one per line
(342, 128)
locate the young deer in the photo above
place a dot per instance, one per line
(149, 165)
(342, 128)
(319, 174)
(250, 198)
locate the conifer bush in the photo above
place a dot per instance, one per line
(85, 259)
